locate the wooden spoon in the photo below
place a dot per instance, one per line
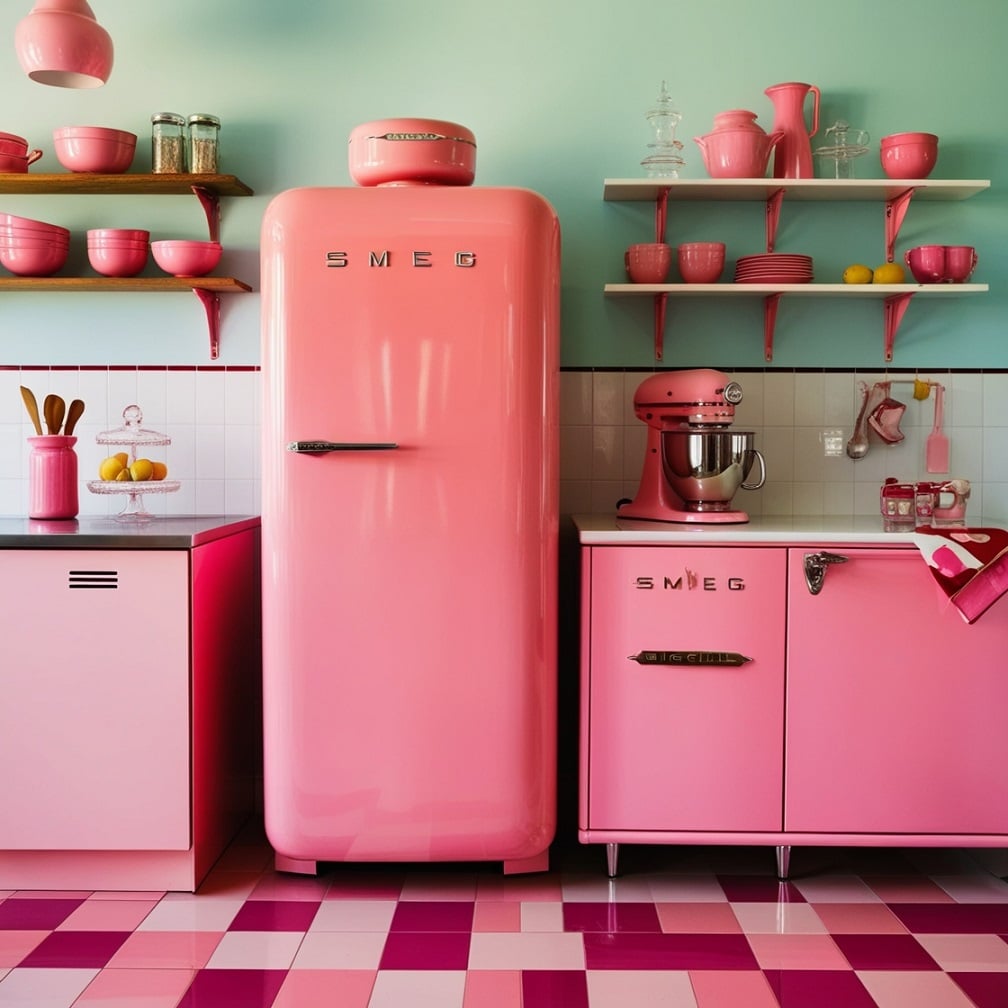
(74, 411)
(48, 410)
(32, 406)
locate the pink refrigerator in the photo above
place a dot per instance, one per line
(409, 520)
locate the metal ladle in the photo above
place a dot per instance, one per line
(857, 447)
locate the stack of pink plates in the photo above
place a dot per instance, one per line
(774, 267)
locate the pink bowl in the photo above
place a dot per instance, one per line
(8, 221)
(33, 261)
(701, 262)
(394, 151)
(186, 258)
(908, 155)
(18, 163)
(11, 143)
(926, 263)
(117, 262)
(94, 148)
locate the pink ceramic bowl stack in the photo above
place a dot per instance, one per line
(32, 248)
(14, 154)
(117, 252)
(909, 155)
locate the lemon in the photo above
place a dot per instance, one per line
(857, 274)
(160, 470)
(110, 468)
(889, 273)
(124, 477)
(123, 458)
(141, 470)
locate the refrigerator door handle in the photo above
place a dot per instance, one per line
(322, 447)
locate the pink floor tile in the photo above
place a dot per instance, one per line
(797, 988)
(697, 918)
(439, 886)
(15, 945)
(966, 952)
(518, 888)
(859, 918)
(354, 915)
(778, 918)
(336, 988)
(251, 988)
(270, 950)
(492, 989)
(527, 950)
(542, 916)
(53, 988)
(108, 915)
(797, 952)
(687, 889)
(735, 989)
(914, 990)
(152, 988)
(290, 887)
(425, 989)
(837, 889)
(338, 951)
(191, 913)
(908, 889)
(494, 916)
(234, 884)
(553, 988)
(166, 950)
(624, 988)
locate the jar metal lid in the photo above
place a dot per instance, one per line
(203, 119)
(168, 117)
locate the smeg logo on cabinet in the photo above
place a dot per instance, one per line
(411, 259)
(688, 581)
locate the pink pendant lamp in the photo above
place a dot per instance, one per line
(61, 43)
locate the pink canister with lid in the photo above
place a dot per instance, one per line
(412, 151)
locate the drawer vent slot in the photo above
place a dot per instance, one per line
(93, 579)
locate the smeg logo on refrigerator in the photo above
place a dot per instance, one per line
(412, 259)
(688, 581)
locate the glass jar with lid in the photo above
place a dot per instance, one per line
(204, 133)
(167, 143)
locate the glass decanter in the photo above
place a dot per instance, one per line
(665, 158)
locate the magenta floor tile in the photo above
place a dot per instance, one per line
(431, 950)
(758, 889)
(884, 952)
(554, 989)
(75, 949)
(33, 914)
(985, 990)
(274, 915)
(610, 917)
(638, 950)
(440, 915)
(953, 918)
(821, 988)
(233, 988)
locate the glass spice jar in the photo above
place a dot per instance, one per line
(204, 133)
(167, 143)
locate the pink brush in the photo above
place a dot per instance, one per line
(936, 450)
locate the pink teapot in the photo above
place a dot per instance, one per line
(737, 147)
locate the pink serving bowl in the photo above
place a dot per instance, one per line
(909, 155)
(118, 234)
(111, 261)
(10, 221)
(33, 261)
(186, 258)
(94, 148)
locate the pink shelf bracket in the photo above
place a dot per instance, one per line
(661, 215)
(770, 303)
(211, 303)
(773, 208)
(894, 307)
(660, 302)
(211, 207)
(895, 211)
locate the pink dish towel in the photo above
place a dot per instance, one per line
(970, 564)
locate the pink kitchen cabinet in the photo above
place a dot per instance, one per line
(869, 713)
(128, 727)
(896, 707)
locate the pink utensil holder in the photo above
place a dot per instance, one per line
(52, 477)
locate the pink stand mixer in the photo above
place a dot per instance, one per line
(693, 464)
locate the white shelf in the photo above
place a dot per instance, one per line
(820, 190)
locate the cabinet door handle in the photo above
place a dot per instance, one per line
(322, 447)
(691, 658)
(815, 569)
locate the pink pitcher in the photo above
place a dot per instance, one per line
(793, 154)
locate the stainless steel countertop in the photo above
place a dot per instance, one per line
(607, 529)
(176, 532)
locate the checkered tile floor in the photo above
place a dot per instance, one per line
(680, 928)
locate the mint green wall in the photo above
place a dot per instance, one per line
(556, 93)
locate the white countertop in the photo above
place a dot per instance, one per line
(607, 529)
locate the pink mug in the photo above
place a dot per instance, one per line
(960, 261)
(927, 263)
(701, 262)
(648, 262)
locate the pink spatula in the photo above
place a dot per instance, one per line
(936, 450)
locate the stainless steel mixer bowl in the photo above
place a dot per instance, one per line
(706, 467)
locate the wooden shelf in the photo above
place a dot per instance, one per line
(68, 183)
(819, 190)
(118, 284)
(809, 289)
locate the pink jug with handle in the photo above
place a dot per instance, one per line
(793, 154)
